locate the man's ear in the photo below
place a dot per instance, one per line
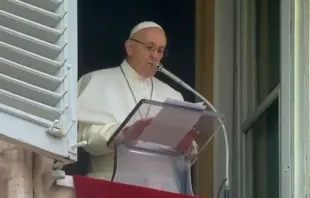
(129, 47)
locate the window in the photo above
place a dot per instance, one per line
(262, 154)
(262, 151)
(257, 102)
(38, 71)
(272, 99)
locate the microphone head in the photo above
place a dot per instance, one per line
(159, 67)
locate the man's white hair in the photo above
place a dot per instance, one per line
(143, 25)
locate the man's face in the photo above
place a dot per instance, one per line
(145, 50)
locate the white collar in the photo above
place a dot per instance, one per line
(130, 72)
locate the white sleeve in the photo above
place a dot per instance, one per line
(95, 135)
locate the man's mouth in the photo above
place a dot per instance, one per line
(152, 64)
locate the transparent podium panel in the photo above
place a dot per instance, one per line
(153, 166)
(171, 123)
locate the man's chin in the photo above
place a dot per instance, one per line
(153, 73)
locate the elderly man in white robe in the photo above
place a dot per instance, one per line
(107, 96)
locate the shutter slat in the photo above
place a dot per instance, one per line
(29, 75)
(23, 115)
(29, 43)
(29, 59)
(29, 106)
(31, 12)
(29, 27)
(50, 5)
(29, 91)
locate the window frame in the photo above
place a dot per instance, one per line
(293, 103)
(295, 99)
(245, 97)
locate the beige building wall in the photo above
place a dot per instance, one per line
(24, 174)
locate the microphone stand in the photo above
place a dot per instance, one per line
(161, 69)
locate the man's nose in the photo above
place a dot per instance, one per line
(154, 54)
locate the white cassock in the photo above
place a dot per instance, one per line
(105, 100)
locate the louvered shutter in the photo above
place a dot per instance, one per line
(38, 75)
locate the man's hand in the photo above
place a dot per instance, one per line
(186, 144)
(132, 132)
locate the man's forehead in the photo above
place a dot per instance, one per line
(153, 35)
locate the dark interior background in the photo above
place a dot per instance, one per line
(104, 26)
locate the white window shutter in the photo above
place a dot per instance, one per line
(38, 75)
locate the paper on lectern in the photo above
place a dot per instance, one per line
(172, 123)
(181, 103)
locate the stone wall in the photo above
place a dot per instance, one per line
(24, 174)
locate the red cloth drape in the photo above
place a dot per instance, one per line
(86, 187)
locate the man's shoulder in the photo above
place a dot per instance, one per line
(103, 72)
(101, 78)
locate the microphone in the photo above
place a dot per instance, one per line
(160, 68)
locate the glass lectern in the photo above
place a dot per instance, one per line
(155, 145)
